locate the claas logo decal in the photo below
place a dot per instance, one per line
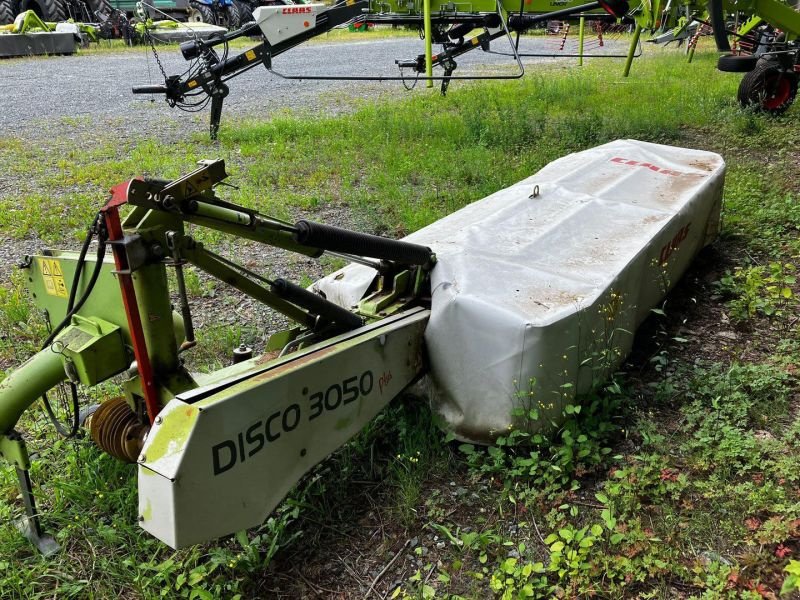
(646, 165)
(294, 10)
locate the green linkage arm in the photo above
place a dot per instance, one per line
(25, 385)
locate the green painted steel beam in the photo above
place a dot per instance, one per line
(216, 268)
(40, 373)
(632, 50)
(447, 7)
(428, 42)
(778, 15)
(258, 232)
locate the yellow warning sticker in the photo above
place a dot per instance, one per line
(53, 277)
(192, 84)
(250, 55)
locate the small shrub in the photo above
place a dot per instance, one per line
(760, 290)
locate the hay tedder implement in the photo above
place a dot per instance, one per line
(284, 27)
(771, 27)
(543, 283)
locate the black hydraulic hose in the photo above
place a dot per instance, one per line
(70, 430)
(337, 239)
(74, 422)
(717, 18)
(101, 250)
(73, 291)
(318, 305)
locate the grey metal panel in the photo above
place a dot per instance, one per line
(36, 44)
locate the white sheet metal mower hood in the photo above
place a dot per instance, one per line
(539, 287)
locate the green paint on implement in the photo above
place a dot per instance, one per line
(27, 383)
(343, 423)
(147, 513)
(169, 437)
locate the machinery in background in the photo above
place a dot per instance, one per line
(28, 35)
(283, 27)
(765, 34)
(89, 11)
(767, 50)
(230, 14)
(542, 283)
(459, 30)
(246, 7)
(225, 13)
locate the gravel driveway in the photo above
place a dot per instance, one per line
(39, 94)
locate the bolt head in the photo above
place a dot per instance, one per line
(159, 420)
(142, 458)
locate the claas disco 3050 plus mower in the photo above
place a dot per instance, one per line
(542, 283)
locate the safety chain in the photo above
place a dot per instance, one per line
(155, 53)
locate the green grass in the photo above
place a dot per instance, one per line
(408, 162)
(691, 489)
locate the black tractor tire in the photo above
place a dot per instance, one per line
(245, 12)
(95, 5)
(201, 13)
(230, 17)
(48, 10)
(768, 88)
(733, 63)
(8, 11)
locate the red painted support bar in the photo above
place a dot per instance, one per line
(119, 197)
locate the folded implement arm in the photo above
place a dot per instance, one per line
(206, 80)
(284, 27)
